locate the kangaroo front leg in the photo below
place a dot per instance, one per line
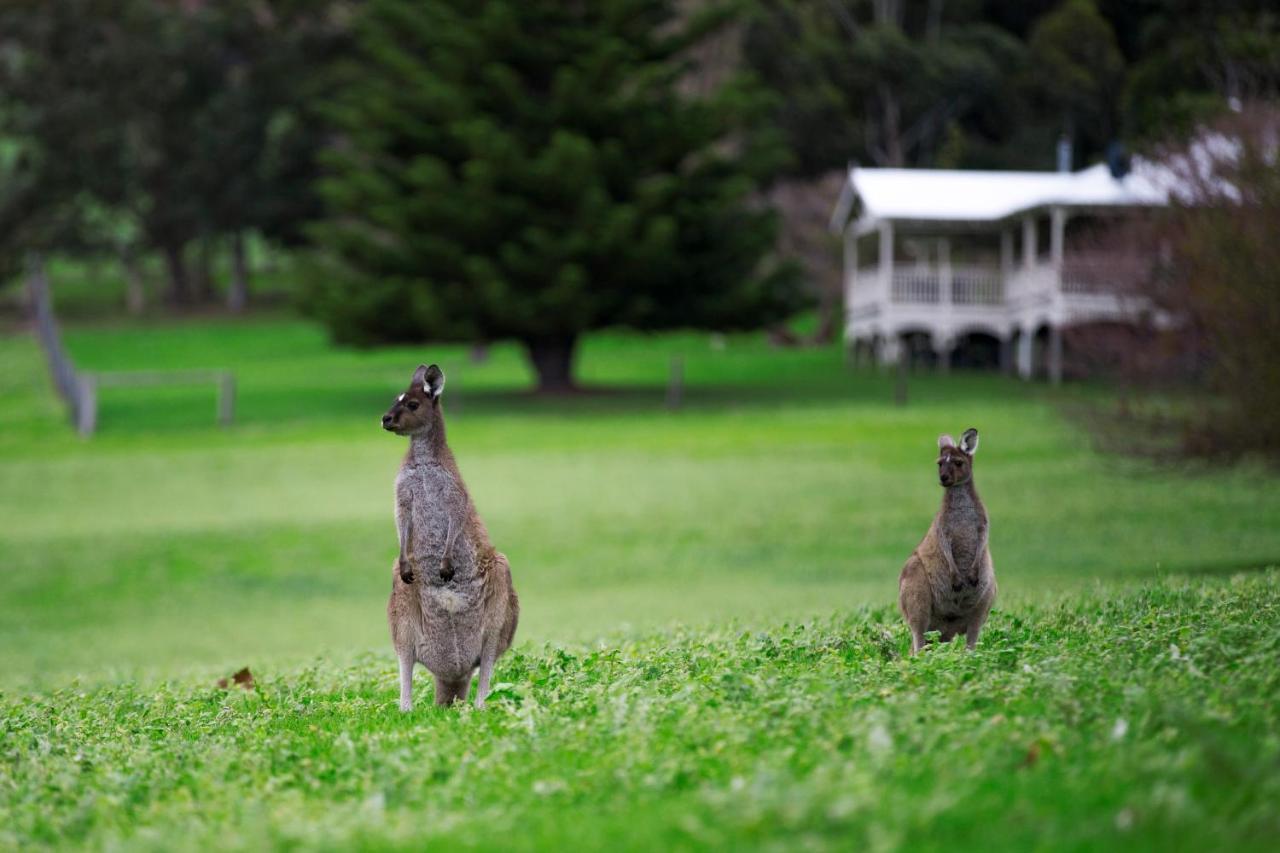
(404, 522)
(406, 681)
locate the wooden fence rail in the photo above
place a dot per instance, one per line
(87, 406)
(79, 388)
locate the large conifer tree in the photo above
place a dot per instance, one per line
(534, 169)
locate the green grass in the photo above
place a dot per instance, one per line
(1138, 721)
(137, 567)
(786, 487)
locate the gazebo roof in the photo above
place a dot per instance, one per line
(959, 196)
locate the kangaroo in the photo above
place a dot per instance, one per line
(453, 608)
(949, 582)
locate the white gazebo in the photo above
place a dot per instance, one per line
(942, 254)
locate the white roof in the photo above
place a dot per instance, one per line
(948, 195)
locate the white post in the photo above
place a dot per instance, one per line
(945, 298)
(1028, 242)
(944, 270)
(1025, 342)
(892, 349)
(886, 259)
(1057, 237)
(226, 397)
(850, 271)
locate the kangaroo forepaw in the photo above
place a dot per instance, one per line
(406, 571)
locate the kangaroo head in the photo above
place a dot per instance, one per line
(418, 408)
(955, 462)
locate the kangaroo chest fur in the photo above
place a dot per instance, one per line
(963, 524)
(449, 591)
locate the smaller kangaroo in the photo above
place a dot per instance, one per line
(453, 608)
(949, 583)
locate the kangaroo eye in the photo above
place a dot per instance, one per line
(413, 405)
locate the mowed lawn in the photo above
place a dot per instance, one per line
(786, 487)
(709, 655)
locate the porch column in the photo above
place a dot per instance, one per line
(1057, 236)
(1028, 241)
(944, 270)
(850, 275)
(1055, 355)
(892, 350)
(945, 347)
(886, 259)
(1025, 342)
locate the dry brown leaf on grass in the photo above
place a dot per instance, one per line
(243, 678)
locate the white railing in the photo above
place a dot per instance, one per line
(977, 285)
(917, 285)
(959, 285)
(986, 285)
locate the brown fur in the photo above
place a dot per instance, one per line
(453, 607)
(949, 582)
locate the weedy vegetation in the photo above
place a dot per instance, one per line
(1139, 721)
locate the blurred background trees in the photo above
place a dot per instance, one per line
(147, 127)
(535, 170)
(1208, 263)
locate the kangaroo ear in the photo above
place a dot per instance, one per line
(969, 441)
(433, 381)
(945, 440)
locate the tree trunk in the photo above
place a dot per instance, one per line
(552, 360)
(179, 289)
(238, 294)
(894, 155)
(135, 293)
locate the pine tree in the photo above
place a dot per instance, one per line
(535, 169)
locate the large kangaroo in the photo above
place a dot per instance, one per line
(949, 583)
(453, 608)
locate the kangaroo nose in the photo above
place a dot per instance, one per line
(386, 419)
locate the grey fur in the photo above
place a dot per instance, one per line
(453, 608)
(949, 582)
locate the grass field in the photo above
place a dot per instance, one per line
(662, 691)
(1143, 721)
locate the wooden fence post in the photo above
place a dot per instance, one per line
(86, 405)
(675, 384)
(226, 397)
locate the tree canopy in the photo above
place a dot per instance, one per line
(533, 170)
(139, 124)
